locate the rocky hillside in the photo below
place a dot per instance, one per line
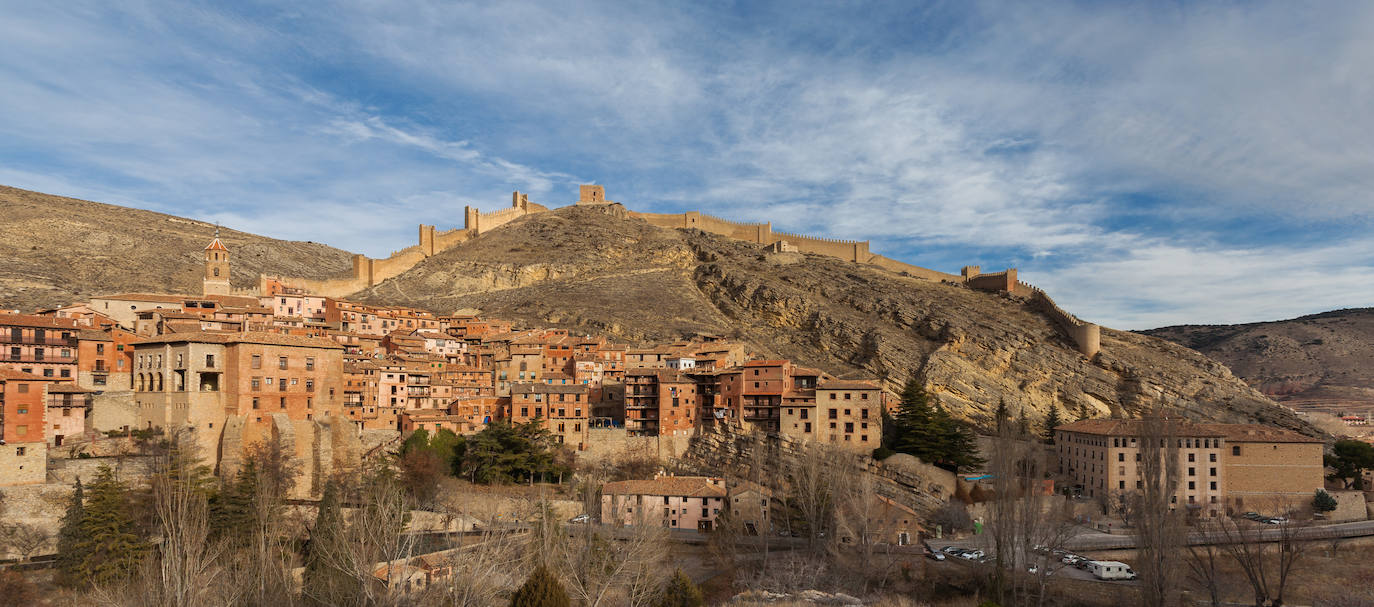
(594, 271)
(1321, 360)
(57, 250)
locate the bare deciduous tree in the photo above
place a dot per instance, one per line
(1204, 561)
(1160, 528)
(1267, 556)
(605, 565)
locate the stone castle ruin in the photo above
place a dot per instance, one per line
(368, 272)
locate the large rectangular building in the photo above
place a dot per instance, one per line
(198, 380)
(1101, 457)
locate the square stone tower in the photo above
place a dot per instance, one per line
(591, 194)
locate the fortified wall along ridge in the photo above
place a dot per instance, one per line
(368, 272)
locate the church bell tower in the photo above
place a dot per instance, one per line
(216, 280)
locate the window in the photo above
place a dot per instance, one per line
(1121, 484)
(23, 410)
(255, 402)
(281, 384)
(1192, 485)
(1235, 449)
(281, 362)
(1121, 457)
(834, 414)
(257, 383)
(256, 361)
(100, 348)
(1192, 471)
(20, 450)
(1211, 472)
(1211, 457)
(282, 402)
(1192, 457)
(23, 388)
(210, 360)
(310, 363)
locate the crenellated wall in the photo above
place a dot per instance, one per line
(368, 272)
(1085, 335)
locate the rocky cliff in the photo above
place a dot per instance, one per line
(593, 270)
(1320, 360)
(58, 250)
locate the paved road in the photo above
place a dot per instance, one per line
(1093, 540)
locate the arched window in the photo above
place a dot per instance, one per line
(157, 379)
(142, 386)
(216, 271)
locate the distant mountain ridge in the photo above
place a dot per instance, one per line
(57, 250)
(1320, 360)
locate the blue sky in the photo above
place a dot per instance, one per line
(1147, 164)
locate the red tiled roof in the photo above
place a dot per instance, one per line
(686, 486)
(1256, 433)
(216, 245)
(1128, 427)
(12, 375)
(848, 384)
(251, 337)
(41, 322)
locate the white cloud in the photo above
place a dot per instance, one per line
(1018, 134)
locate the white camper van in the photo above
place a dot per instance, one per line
(1111, 570)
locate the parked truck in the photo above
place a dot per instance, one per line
(1111, 570)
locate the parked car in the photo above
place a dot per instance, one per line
(951, 550)
(580, 519)
(935, 556)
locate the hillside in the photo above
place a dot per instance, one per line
(57, 250)
(1322, 360)
(590, 270)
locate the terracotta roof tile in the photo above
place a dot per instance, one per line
(686, 486)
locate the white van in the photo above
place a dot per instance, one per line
(1111, 570)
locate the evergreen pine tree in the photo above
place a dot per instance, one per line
(542, 589)
(1001, 415)
(1052, 421)
(680, 592)
(110, 549)
(958, 445)
(1023, 423)
(913, 428)
(231, 508)
(70, 535)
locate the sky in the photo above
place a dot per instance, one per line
(1147, 163)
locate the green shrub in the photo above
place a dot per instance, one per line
(541, 590)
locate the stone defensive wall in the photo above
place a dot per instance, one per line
(368, 272)
(1086, 336)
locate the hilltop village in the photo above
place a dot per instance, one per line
(765, 447)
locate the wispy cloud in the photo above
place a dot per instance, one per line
(1143, 163)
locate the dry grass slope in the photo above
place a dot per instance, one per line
(57, 250)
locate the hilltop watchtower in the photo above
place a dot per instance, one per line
(216, 280)
(591, 194)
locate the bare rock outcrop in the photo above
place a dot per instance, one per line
(607, 274)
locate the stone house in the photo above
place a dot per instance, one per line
(675, 502)
(23, 418)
